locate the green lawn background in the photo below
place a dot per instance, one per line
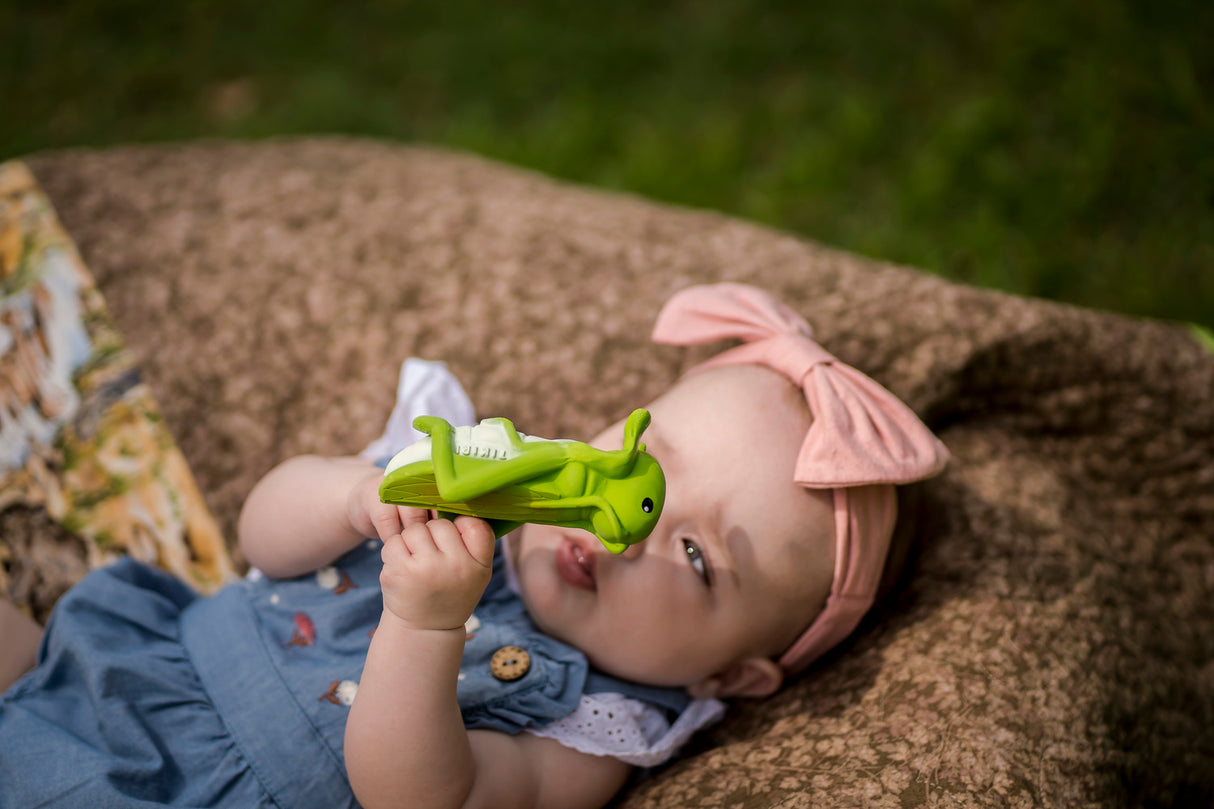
(1059, 149)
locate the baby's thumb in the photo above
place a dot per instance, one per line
(478, 538)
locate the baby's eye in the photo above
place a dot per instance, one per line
(698, 561)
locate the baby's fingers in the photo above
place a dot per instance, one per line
(422, 540)
(412, 516)
(478, 539)
(390, 520)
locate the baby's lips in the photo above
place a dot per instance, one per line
(575, 563)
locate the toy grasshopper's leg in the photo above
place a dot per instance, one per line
(618, 462)
(594, 501)
(585, 501)
(442, 453)
(533, 459)
(612, 539)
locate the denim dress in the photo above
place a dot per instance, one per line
(149, 695)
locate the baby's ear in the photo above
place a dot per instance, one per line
(751, 677)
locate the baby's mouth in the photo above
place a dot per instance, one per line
(575, 563)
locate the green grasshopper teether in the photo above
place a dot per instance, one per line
(508, 478)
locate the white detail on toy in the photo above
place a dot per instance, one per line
(489, 439)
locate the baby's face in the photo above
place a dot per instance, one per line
(740, 561)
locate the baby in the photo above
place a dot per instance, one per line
(534, 672)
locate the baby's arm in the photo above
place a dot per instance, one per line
(309, 510)
(527, 771)
(405, 739)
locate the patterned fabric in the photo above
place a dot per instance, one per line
(83, 444)
(1053, 643)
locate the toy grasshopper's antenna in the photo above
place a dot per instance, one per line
(615, 462)
(637, 421)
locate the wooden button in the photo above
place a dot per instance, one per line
(510, 663)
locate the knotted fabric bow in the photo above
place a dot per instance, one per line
(863, 440)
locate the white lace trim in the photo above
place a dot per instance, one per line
(629, 729)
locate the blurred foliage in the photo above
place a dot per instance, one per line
(1060, 149)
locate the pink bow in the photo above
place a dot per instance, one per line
(861, 433)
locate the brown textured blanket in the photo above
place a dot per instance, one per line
(1054, 645)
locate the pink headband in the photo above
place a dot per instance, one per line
(862, 440)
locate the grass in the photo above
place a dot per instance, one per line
(1059, 149)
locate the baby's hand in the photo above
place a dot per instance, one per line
(435, 573)
(371, 517)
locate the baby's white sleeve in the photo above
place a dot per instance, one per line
(425, 388)
(628, 729)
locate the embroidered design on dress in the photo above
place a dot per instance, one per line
(335, 579)
(304, 633)
(341, 692)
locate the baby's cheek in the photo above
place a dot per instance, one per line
(542, 599)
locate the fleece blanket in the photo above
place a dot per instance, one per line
(1053, 644)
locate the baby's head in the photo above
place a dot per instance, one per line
(773, 538)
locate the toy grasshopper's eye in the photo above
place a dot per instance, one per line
(647, 505)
